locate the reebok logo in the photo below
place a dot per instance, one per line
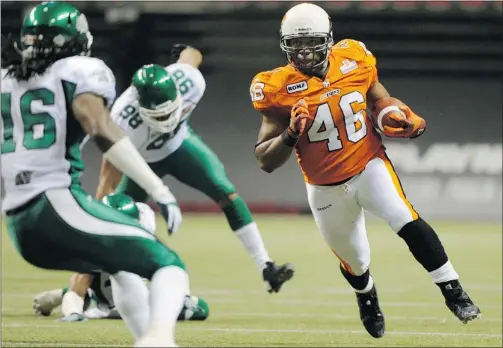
(324, 208)
(296, 87)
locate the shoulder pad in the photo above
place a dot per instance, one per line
(264, 87)
(354, 49)
(91, 75)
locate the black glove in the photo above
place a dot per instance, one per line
(176, 50)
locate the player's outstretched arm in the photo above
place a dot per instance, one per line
(110, 178)
(90, 111)
(187, 55)
(278, 136)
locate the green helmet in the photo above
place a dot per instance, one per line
(122, 203)
(54, 30)
(159, 98)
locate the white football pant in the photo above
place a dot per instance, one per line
(338, 211)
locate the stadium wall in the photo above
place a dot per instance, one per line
(444, 61)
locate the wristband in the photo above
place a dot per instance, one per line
(289, 139)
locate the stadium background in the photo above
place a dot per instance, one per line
(443, 58)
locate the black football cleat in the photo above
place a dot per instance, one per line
(458, 301)
(275, 276)
(370, 313)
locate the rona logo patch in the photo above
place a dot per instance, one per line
(296, 87)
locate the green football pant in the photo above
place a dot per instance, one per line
(193, 164)
(66, 229)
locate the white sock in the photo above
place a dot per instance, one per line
(444, 273)
(168, 288)
(130, 295)
(253, 243)
(369, 286)
(72, 303)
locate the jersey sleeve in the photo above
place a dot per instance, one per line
(191, 84)
(357, 50)
(94, 76)
(262, 91)
(125, 107)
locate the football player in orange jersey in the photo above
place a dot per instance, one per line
(316, 104)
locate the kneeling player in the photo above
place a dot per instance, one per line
(100, 291)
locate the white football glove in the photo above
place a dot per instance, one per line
(169, 208)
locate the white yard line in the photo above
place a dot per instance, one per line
(340, 316)
(319, 315)
(299, 331)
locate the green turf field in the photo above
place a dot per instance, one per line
(315, 309)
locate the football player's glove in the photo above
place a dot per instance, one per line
(298, 118)
(415, 129)
(169, 209)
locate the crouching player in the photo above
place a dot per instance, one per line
(100, 291)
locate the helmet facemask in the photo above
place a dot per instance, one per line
(307, 52)
(164, 117)
(43, 44)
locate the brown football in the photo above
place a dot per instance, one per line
(386, 112)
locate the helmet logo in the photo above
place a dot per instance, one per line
(81, 25)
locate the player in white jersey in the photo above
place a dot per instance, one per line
(154, 113)
(52, 95)
(99, 301)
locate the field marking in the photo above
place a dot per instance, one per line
(300, 331)
(37, 344)
(328, 316)
(290, 301)
(340, 316)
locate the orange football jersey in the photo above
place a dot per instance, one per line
(340, 139)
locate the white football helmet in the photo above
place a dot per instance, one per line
(306, 37)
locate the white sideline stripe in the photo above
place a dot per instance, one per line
(307, 315)
(70, 211)
(304, 331)
(292, 301)
(354, 332)
(340, 316)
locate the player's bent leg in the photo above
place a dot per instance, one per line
(380, 192)
(86, 235)
(342, 223)
(73, 305)
(197, 166)
(131, 298)
(137, 251)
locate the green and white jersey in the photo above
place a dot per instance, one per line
(155, 146)
(40, 138)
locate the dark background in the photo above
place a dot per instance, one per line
(444, 59)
